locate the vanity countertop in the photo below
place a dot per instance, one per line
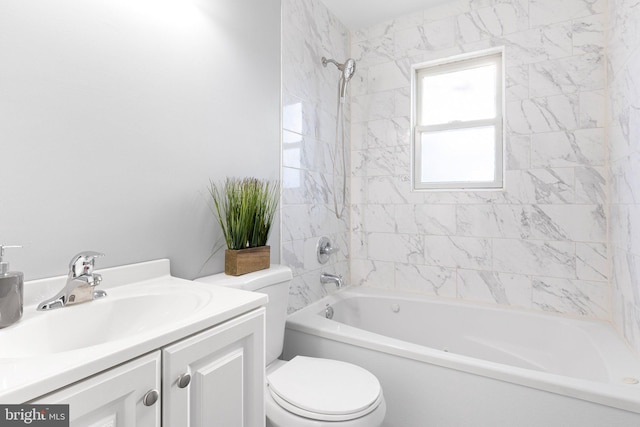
(145, 309)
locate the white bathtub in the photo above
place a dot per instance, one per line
(449, 364)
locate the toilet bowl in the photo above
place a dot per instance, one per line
(306, 391)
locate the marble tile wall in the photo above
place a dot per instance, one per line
(309, 32)
(623, 75)
(539, 244)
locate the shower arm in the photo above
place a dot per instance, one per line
(325, 61)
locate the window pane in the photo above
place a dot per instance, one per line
(459, 95)
(461, 155)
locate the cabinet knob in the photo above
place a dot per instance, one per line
(184, 380)
(150, 397)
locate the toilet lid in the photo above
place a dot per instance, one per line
(324, 389)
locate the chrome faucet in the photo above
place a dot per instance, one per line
(81, 282)
(332, 278)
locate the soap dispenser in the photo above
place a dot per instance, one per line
(11, 292)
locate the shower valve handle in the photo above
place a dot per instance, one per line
(325, 249)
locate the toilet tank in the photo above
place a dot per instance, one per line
(274, 282)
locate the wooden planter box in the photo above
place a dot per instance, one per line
(242, 261)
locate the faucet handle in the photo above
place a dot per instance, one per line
(82, 263)
(324, 249)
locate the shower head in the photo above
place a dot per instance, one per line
(348, 69)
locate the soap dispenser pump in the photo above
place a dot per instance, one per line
(11, 291)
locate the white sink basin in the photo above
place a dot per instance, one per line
(125, 312)
(145, 309)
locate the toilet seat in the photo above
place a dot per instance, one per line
(324, 389)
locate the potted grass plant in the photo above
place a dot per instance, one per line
(245, 208)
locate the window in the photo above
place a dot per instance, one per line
(457, 123)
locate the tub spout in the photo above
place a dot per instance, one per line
(332, 278)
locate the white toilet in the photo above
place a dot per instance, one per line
(306, 391)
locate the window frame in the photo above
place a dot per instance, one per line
(458, 63)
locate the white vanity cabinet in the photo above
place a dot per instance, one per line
(212, 378)
(115, 397)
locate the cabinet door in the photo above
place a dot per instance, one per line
(114, 398)
(226, 369)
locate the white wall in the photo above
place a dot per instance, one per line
(115, 114)
(541, 243)
(309, 32)
(624, 153)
